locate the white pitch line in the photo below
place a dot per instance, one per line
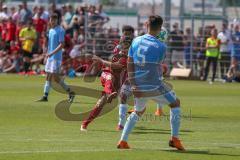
(136, 141)
(99, 150)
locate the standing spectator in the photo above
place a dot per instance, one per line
(225, 38)
(4, 30)
(102, 13)
(16, 15)
(177, 46)
(235, 55)
(212, 54)
(13, 10)
(54, 10)
(39, 23)
(27, 37)
(40, 27)
(188, 45)
(25, 13)
(4, 12)
(10, 31)
(44, 14)
(68, 16)
(201, 43)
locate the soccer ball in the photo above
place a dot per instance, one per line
(163, 35)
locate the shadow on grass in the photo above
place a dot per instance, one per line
(150, 132)
(202, 152)
(156, 129)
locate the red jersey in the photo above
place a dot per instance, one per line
(18, 29)
(112, 79)
(11, 30)
(4, 31)
(40, 25)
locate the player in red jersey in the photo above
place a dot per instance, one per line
(111, 79)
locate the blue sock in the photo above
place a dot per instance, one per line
(131, 121)
(159, 106)
(64, 85)
(175, 121)
(47, 87)
(122, 114)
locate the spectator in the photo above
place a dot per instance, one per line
(212, 54)
(4, 30)
(235, 55)
(176, 46)
(225, 39)
(67, 20)
(27, 37)
(16, 15)
(10, 31)
(14, 59)
(232, 76)
(13, 10)
(25, 13)
(100, 12)
(4, 12)
(201, 43)
(44, 14)
(188, 46)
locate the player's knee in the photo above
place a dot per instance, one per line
(175, 104)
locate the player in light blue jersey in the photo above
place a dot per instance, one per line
(144, 58)
(54, 59)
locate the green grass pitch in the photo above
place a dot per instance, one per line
(210, 127)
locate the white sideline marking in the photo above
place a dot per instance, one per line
(206, 146)
(100, 150)
(136, 141)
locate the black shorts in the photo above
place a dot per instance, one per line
(27, 54)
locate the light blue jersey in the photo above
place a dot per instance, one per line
(147, 53)
(55, 37)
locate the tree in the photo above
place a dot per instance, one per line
(109, 2)
(231, 3)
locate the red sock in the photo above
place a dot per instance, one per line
(94, 113)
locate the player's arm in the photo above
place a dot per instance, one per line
(107, 63)
(21, 36)
(59, 47)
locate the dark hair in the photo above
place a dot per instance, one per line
(30, 22)
(54, 16)
(155, 22)
(128, 28)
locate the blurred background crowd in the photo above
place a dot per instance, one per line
(23, 37)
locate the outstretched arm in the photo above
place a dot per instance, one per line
(108, 63)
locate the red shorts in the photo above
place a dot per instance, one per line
(107, 83)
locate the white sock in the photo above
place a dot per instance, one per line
(175, 121)
(122, 114)
(159, 106)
